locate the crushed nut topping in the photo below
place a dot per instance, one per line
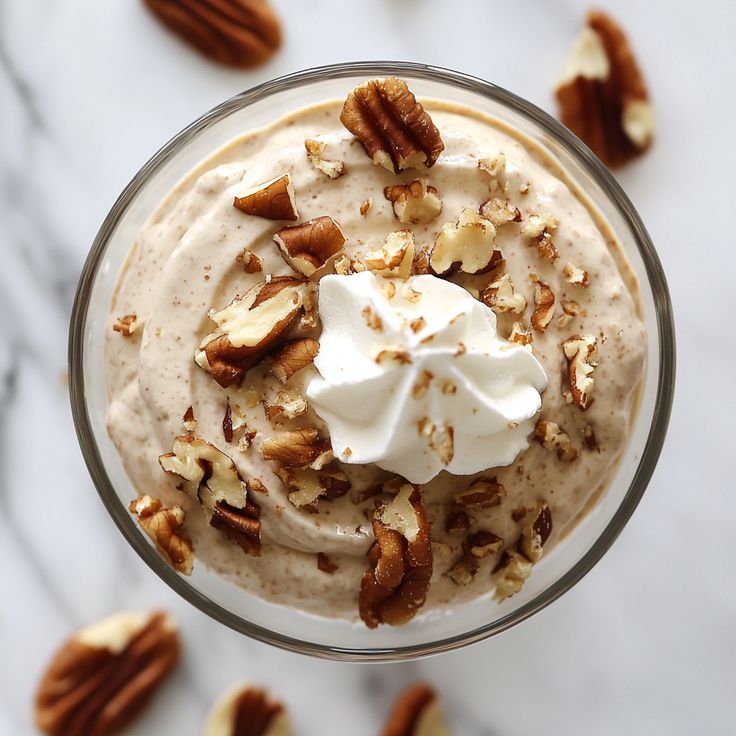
(395, 257)
(292, 357)
(536, 532)
(420, 266)
(442, 442)
(501, 297)
(386, 354)
(308, 247)
(510, 574)
(457, 521)
(162, 524)
(249, 328)
(500, 211)
(551, 436)
(127, 326)
(465, 245)
(544, 309)
(393, 128)
(415, 203)
(188, 421)
(602, 95)
(483, 494)
(315, 151)
(464, 570)
(579, 350)
(273, 200)
(575, 275)
(395, 585)
(483, 543)
(495, 167)
(365, 206)
(372, 319)
(298, 448)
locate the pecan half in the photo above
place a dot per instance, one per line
(239, 33)
(292, 357)
(395, 257)
(247, 711)
(393, 128)
(298, 448)
(250, 327)
(544, 306)
(602, 95)
(273, 200)
(416, 712)
(395, 585)
(579, 349)
(309, 246)
(105, 675)
(127, 326)
(465, 245)
(414, 203)
(162, 525)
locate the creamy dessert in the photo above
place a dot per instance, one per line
(373, 359)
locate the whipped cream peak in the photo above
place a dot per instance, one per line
(414, 378)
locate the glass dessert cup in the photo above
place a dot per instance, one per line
(436, 630)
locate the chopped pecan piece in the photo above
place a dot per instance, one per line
(395, 585)
(553, 438)
(540, 228)
(292, 357)
(544, 309)
(289, 403)
(307, 486)
(510, 574)
(579, 349)
(162, 524)
(127, 326)
(501, 297)
(273, 200)
(465, 245)
(417, 712)
(464, 570)
(242, 525)
(251, 261)
(602, 95)
(495, 167)
(325, 564)
(500, 211)
(576, 276)
(457, 522)
(365, 206)
(414, 203)
(420, 265)
(309, 246)
(520, 335)
(483, 494)
(250, 327)
(315, 151)
(188, 421)
(395, 257)
(298, 448)
(393, 128)
(483, 543)
(105, 674)
(247, 711)
(536, 532)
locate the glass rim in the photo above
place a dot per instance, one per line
(592, 166)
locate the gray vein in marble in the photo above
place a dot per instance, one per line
(23, 91)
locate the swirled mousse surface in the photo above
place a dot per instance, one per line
(189, 259)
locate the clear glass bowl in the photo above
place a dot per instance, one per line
(433, 632)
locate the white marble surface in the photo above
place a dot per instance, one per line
(645, 644)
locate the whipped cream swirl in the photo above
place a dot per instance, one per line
(414, 378)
